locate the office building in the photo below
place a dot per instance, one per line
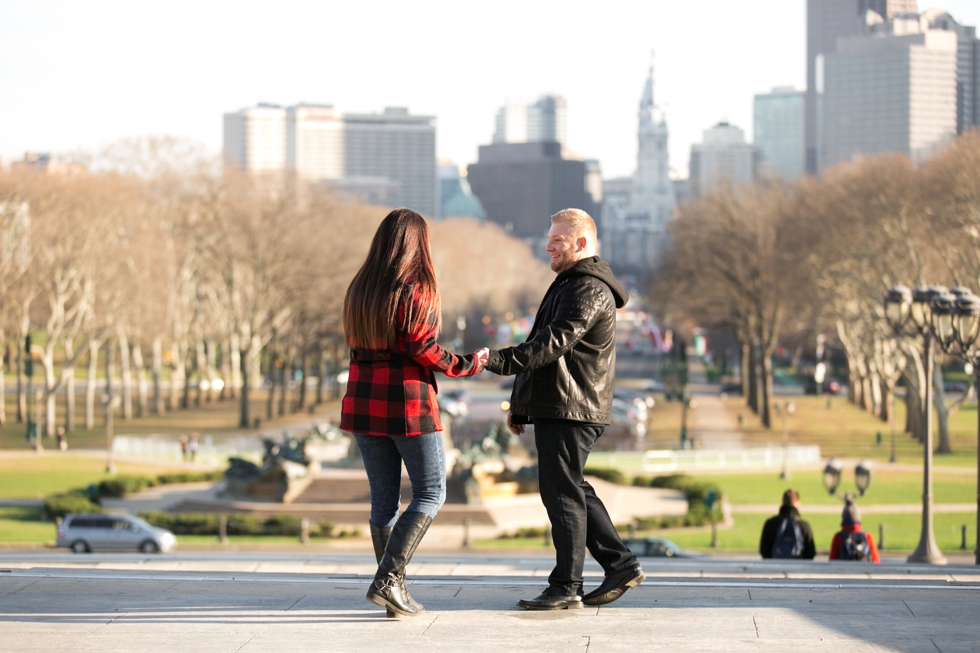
(893, 91)
(521, 185)
(387, 158)
(255, 138)
(635, 231)
(528, 123)
(827, 21)
(967, 66)
(778, 127)
(315, 142)
(397, 146)
(722, 158)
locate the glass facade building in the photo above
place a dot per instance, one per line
(778, 126)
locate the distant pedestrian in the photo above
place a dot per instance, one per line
(392, 322)
(787, 535)
(851, 543)
(193, 446)
(183, 447)
(62, 440)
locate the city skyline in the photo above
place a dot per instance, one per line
(126, 70)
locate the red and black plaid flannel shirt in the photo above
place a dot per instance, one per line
(393, 391)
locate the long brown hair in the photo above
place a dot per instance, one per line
(398, 269)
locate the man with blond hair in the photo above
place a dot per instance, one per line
(564, 387)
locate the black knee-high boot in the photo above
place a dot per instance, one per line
(379, 538)
(388, 588)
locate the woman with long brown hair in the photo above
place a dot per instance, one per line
(392, 320)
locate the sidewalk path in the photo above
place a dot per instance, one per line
(740, 607)
(714, 426)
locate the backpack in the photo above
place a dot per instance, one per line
(854, 546)
(789, 539)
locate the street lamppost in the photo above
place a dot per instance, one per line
(909, 313)
(956, 322)
(832, 472)
(784, 410)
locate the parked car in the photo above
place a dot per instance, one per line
(954, 386)
(637, 397)
(92, 532)
(731, 387)
(454, 402)
(653, 385)
(659, 547)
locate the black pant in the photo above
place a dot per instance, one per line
(578, 518)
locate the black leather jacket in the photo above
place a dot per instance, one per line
(566, 368)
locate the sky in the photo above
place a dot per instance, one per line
(80, 75)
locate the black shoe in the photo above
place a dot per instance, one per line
(388, 588)
(549, 601)
(614, 586)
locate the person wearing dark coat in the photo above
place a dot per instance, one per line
(564, 387)
(770, 531)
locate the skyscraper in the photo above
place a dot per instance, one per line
(530, 123)
(397, 146)
(827, 21)
(778, 128)
(895, 91)
(634, 231)
(967, 66)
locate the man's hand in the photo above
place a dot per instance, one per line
(516, 429)
(482, 355)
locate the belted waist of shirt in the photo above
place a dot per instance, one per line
(370, 355)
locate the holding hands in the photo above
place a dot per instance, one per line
(482, 355)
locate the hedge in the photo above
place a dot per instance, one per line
(190, 477)
(123, 484)
(238, 524)
(607, 474)
(695, 493)
(60, 505)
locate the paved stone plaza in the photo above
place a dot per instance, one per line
(250, 603)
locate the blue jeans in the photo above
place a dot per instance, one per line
(425, 461)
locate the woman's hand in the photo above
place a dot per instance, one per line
(482, 355)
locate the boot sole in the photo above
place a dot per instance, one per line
(577, 605)
(392, 610)
(616, 593)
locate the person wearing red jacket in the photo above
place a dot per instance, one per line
(391, 321)
(851, 543)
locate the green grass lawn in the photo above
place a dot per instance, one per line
(886, 487)
(844, 430)
(34, 477)
(24, 525)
